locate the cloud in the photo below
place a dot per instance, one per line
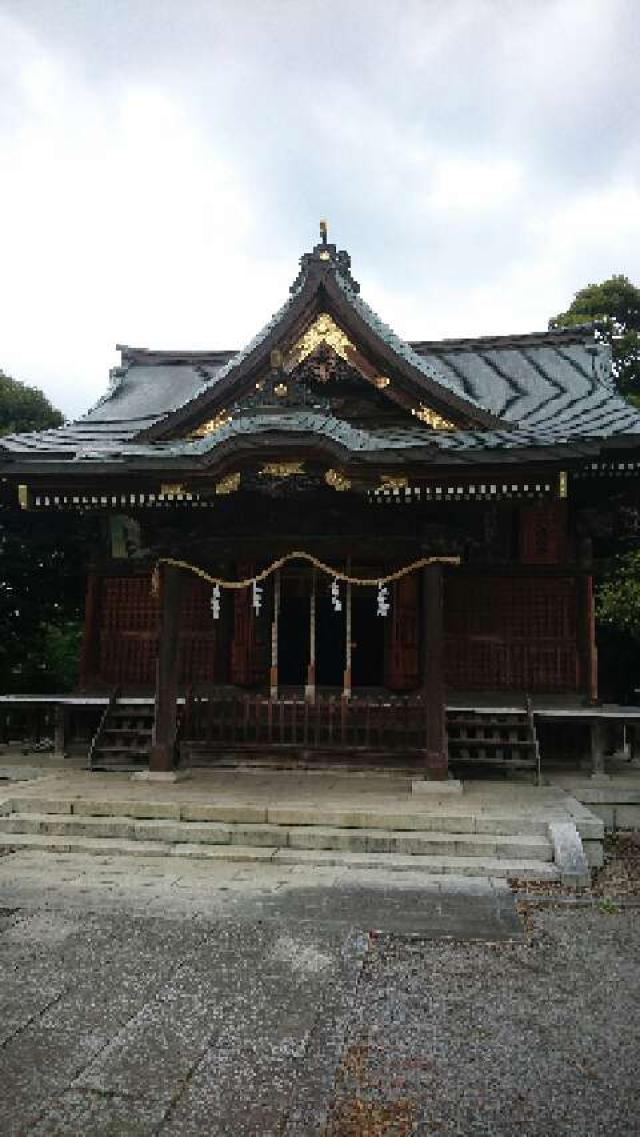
(163, 166)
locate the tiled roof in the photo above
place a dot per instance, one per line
(547, 388)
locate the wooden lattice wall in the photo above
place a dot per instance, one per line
(501, 634)
(128, 633)
(511, 634)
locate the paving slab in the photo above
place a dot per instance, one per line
(177, 998)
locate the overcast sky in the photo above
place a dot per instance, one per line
(164, 163)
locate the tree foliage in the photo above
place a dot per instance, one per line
(42, 571)
(24, 408)
(619, 595)
(42, 578)
(615, 305)
(618, 616)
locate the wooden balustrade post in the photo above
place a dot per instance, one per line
(437, 765)
(164, 731)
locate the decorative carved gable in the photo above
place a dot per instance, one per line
(326, 328)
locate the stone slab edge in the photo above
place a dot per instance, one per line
(569, 855)
(421, 786)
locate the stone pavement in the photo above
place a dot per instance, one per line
(138, 999)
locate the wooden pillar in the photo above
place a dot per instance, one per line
(275, 631)
(164, 730)
(90, 649)
(348, 653)
(437, 765)
(310, 688)
(587, 650)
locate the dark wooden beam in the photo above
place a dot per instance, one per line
(164, 731)
(436, 758)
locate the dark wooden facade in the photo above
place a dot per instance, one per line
(331, 436)
(502, 633)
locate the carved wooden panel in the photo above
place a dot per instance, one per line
(511, 634)
(543, 533)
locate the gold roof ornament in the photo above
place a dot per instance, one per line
(212, 425)
(282, 469)
(337, 480)
(323, 330)
(431, 418)
(172, 489)
(394, 481)
(381, 381)
(229, 484)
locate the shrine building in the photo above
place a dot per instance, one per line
(334, 545)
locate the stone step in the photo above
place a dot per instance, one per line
(524, 869)
(452, 817)
(308, 837)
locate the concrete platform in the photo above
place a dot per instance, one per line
(614, 797)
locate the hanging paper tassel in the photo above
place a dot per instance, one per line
(215, 602)
(335, 596)
(256, 599)
(383, 600)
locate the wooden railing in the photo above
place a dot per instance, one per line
(364, 722)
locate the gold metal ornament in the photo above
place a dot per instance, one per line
(282, 469)
(223, 418)
(394, 481)
(337, 480)
(323, 330)
(229, 484)
(431, 418)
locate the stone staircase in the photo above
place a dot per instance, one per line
(459, 842)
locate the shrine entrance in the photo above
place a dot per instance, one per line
(367, 642)
(310, 629)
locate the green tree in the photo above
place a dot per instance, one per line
(24, 408)
(614, 305)
(41, 571)
(42, 576)
(618, 616)
(619, 595)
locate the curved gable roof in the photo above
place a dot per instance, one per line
(503, 391)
